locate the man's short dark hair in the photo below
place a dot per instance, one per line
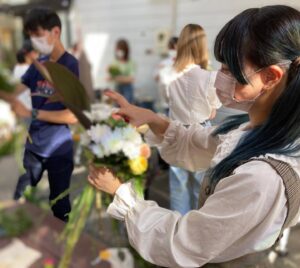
(27, 46)
(42, 17)
(20, 56)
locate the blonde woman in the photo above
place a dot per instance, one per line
(192, 100)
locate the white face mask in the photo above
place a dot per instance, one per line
(225, 86)
(120, 54)
(41, 45)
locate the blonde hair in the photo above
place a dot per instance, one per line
(191, 47)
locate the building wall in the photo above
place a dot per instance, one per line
(102, 22)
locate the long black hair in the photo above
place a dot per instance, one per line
(263, 36)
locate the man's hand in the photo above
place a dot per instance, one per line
(20, 109)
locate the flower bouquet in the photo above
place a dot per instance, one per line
(106, 141)
(114, 71)
(7, 83)
(110, 143)
(7, 130)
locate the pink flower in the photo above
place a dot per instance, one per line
(145, 150)
(49, 261)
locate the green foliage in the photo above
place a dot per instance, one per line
(113, 123)
(68, 89)
(114, 71)
(7, 147)
(15, 223)
(6, 82)
(5, 85)
(77, 219)
(67, 84)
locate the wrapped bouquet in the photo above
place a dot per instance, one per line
(106, 142)
(110, 143)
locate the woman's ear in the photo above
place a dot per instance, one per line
(271, 76)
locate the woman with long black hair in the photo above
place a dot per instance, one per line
(252, 191)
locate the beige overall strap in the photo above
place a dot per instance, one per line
(291, 182)
(205, 190)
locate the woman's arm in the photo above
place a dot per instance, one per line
(124, 79)
(190, 148)
(234, 221)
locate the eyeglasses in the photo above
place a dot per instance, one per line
(283, 64)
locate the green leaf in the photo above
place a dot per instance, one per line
(70, 89)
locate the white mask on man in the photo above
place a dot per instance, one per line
(41, 45)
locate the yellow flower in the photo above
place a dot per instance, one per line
(138, 165)
(104, 255)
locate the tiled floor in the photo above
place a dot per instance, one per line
(158, 192)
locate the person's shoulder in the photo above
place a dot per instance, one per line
(70, 59)
(197, 70)
(255, 179)
(198, 74)
(260, 173)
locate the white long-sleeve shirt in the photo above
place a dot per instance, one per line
(192, 95)
(244, 215)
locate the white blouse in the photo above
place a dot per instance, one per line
(192, 95)
(244, 215)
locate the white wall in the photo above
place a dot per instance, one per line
(213, 14)
(102, 22)
(136, 20)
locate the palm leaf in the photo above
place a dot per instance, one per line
(68, 86)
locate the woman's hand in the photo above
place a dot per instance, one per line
(138, 116)
(135, 115)
(103, 179)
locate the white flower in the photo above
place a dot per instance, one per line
(131, 135)
(131, 150)
(113, 144)
(88, 115)
(101, 112)
(99, 133)
(97, 150)
(6, 115)
(85, 139)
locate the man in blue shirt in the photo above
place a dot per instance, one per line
(49, 146)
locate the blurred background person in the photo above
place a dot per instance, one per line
(25, 57)
(164, 73)
(85, 75)
(49, 146)
(192, 99)
(122, 70)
